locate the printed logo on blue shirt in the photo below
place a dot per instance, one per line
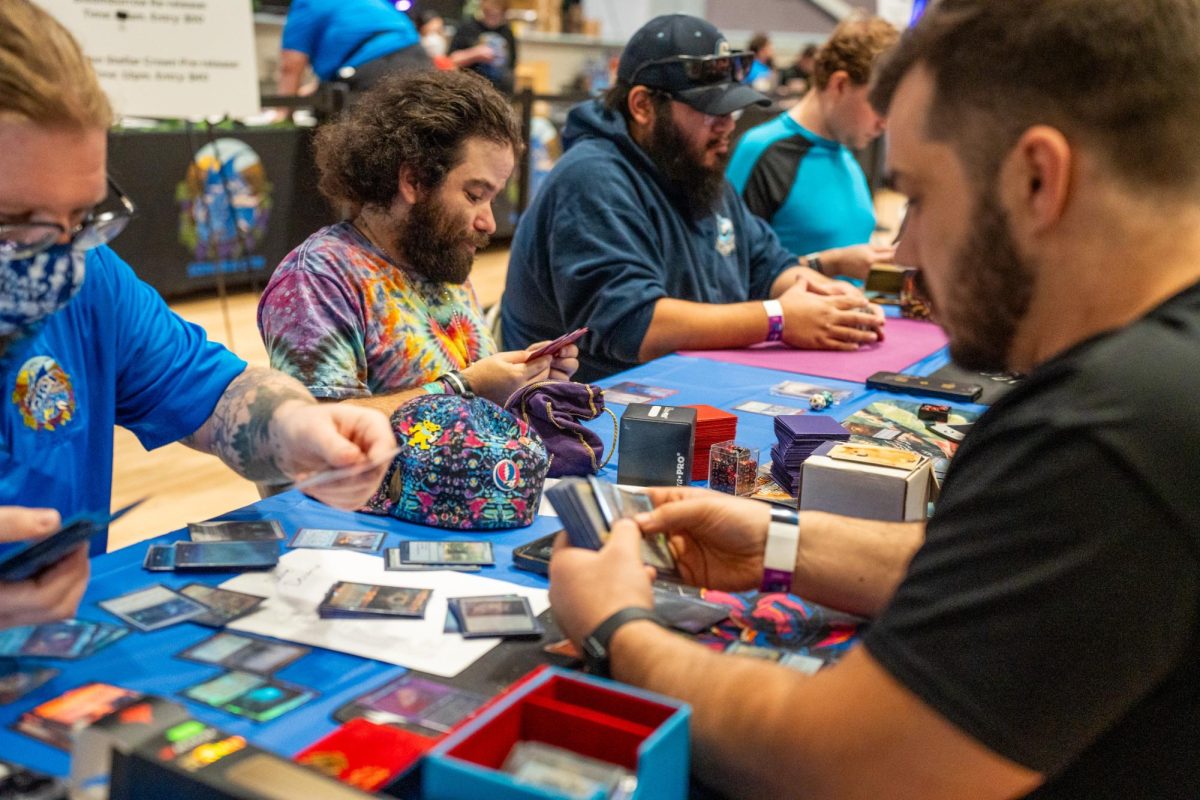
(44, 395)
(726, 243)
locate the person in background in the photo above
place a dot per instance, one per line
(431, 26)
(762, 71)
(797, 77)
(379, 309)
(637, 235)
(1039, 637)
(85, 345)
(485, 44)
(356, 42)
(798, 171)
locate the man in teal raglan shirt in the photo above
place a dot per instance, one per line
(85, 345)
(798, 171)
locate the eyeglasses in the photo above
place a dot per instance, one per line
(705, 70)
(100, 226)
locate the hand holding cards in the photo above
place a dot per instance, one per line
(552, 348)
(24, 562)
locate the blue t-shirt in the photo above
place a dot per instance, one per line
(811, 190)
(346, 33)
(115, 355)
(606, 237)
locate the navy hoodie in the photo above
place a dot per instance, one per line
(607, 235)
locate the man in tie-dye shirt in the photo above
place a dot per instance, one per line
(377, 309)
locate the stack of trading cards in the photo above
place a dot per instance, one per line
(568, 774)
(462, 556)
(215, 555)
(590, 507)
(71, 639)
(153, 608)
(16, 681)
(712, 425)
(244, 653)
(798, 436)
(224, 605)
(323, 539)
(56, 721)
(346, 599)
(505, 615)
(254, 697)
(414, 701)
(253, 530)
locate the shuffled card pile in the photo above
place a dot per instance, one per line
(590, 507)
(153, 608)
(254, 697)
(69, 639)
(236, 531)
(322, 539)
(346, 599)
(236, 651)
(505, 615)
(56, 721)
(224, 605)
(416, 702)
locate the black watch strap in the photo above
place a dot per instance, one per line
(595, 646)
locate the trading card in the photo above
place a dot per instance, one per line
(805, 391)
(354, 599)
(253, 530)
(160, 558)
(686, 613)
(418, 552)
(808, 665)
(23, 560)
(768, 409)
(153, 608)
(392, 562)
(498, 615)
(750, 651)
(216, 648)
(106, 634)
(419, 701)
(224, 605)
(323, 539)
(342, 474)
(56, 721)
(552, 348)
(265, 703)
(220, 690)
(67, 639)
(245, 653)
(17, 681)
(878, 456)
(261, 554)
(628, 392)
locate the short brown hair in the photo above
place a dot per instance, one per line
(44, 76)
(1123, 77)
(416, 121)
(854, 47)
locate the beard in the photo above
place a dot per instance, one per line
(431, 240)
(700, 186)
(989, 291)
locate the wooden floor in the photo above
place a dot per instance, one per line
(186, 486)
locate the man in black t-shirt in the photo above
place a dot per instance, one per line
(486, 45)
(1040, 636)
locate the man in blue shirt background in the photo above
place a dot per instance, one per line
(85, 345)
(797, 171)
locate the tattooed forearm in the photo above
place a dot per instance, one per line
(239, 430)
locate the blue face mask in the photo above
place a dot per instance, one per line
(33, 288)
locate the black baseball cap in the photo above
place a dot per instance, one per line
(692, 61)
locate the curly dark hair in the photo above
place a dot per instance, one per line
(416, 121)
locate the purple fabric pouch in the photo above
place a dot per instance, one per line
(557, 411)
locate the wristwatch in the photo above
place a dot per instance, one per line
(813, 262)
(595, 646)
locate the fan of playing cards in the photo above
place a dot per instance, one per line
(589, 507)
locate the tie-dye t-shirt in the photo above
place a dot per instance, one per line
(345, 321)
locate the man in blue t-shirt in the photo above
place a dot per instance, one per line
(85, 345)
(357, 42)
(637, 235)
(798, 171)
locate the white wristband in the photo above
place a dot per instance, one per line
(779, 558)
(774, 310)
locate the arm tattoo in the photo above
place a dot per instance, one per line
(239, 430)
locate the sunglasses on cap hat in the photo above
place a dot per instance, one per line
(705, 70)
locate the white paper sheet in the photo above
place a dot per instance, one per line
(297, 585)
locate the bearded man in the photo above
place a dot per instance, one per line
(378, 309)
(637, 235)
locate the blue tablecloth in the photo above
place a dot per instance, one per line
(146, 661)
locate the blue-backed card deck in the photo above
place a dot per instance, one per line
(326, 539)
(28, 559)
(236, 651)
(454, 553)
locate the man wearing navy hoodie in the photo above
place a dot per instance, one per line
(637, 235)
